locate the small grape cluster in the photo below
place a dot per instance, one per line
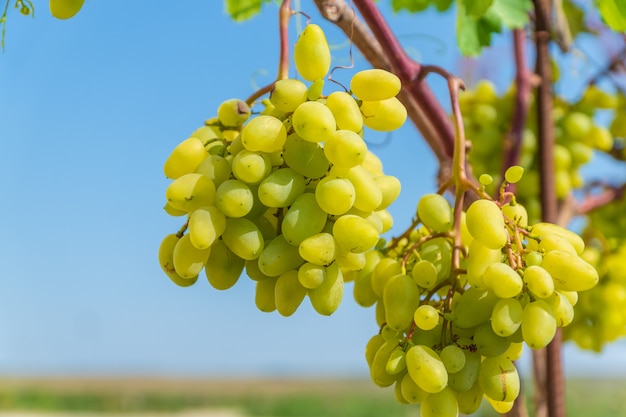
(457, 297)
(291, 195)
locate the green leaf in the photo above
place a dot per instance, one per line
(612, 12)
(241, 10)
(476, 8)
(410, 5)
(513, 13)
(575, 18)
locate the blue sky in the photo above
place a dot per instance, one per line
(89, 110)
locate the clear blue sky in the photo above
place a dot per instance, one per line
(89, 110)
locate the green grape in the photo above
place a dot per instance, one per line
(205, 225)
(499, 379)
(326, 298)
(233, 112)
(382, 272)
(401, 298)
(562, 309)
(503, 280)
(396, 362)
(311, 53)
(315, 90)
(375, 85)
(453, 358)
(244, 238)
(349, 261)
(372, 346)
(426, 337)
(216, 167)
(288, 94)
(223, 268)
(311, 275)
(185, 158)
(469, 401)
(289, 293)
(278, 257)
(576, 125)
(480, 257)
(514, 352)
(486, 224)
(345, 148)
(488, 343)
(543, 229)
(318, 249)
(397, 392)
(190, 191)
(467, 377)
(506, 317)
(187, 259)
(538, 324)
(378, 369)
(253, 271)
(364, 294)
(281, 188)
(264, 134)
(562, 157)
(354, 233)
(166, 260)
(234, 198)
(440, 404)
(410, 390)
(304, 218)
(570, 273)
(426, 317)
(206, 133)
(172, 211)
(438, 251)
(426, 369)
(383, 115)
(485, 179)
(368, 196)
(516, 213)
(373, 164)
(424, 274)
(65, 9)
(474, 307)
(552, 242)
(345, 110)
(501, 407)
(390, 187)
(313, 121)
(599, 138)
(265, 295)
(251, 167)
(435, 212)
(335, 195)
(306, 158)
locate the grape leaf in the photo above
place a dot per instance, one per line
(410, 5)
(241, 10)
(613, 13)
(513, 13)
(476, 8)
(575, 18)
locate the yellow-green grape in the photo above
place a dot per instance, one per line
(265, 294)
(488, 343)
(576, 125)
(303, 219)
(397, 392)
(345, 148)
(513, 174)
(364, 294)
(244, 238)
(251, 167)
(65, 9)
(375, 85)
(470, 400)
(485, 179)
(440, 404)
(480, 257)
(552, 242)
(233, 112)
(223, 268)
(354, 233)
(506, 317)
(373, 164)
(467, 377)
(253, 272)
(206, 133)
(311, 53)
(190, 191)
(514, 352)
(234, 198)
(345, 110)
(288, 94)
(390, 187)
(216, 167)
(349, 261)
(435, 212)
(189, 260)
(396, 362)
(466, 236)
(382, 272)
(410, 390)
(281, 188)
(205, 225)
(401, 298)
(424, 274)
(562, 309)
(515, 213)
(599, 138)
(426, 317)
(453, 358)
(426, 369)
(439, 252)
(166, 260)
(335, 195)
(185, 158)
(503, 280)
(499, 379)
(543, 229)
(326, 298)
(533, 258)
(368, 196)
(289, 293)
(372, 346)
(306, 158)
(264, 134)
(172, 211)
(315, 90)
(570, 273)
(474, 307)
(313, 121)
(501, 407)
(311, 275)
(278, 257)
(538, 324)
(378, 369)
(384, 115)
(486, 224)
(318, 249)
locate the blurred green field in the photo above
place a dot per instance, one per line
(258, 397)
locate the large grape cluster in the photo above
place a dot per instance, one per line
(292, 196)
(452, 321)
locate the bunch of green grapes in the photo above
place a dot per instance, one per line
(487, 119)
(452, 321)
(292, 196)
